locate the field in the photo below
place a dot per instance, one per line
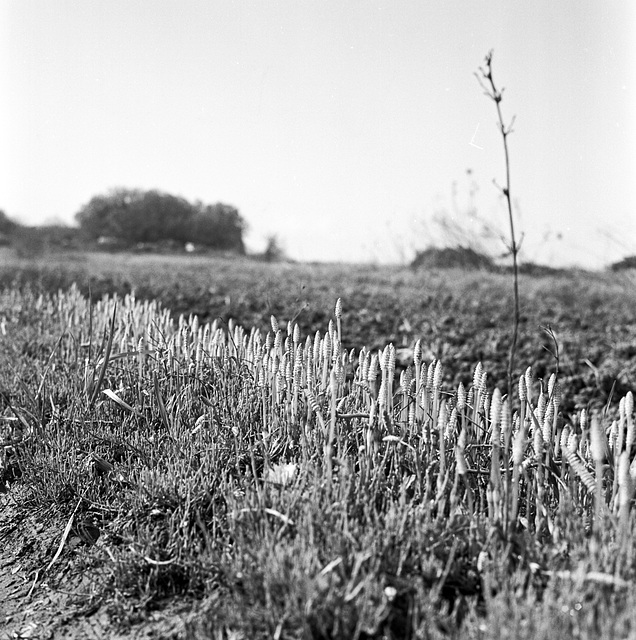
(349, 470)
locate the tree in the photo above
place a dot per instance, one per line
(219, 226)
(274, 251)
(133, 216)
(109, 215)
(161, 216)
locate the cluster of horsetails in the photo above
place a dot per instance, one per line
(197, 454)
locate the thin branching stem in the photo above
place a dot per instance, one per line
(496, 96)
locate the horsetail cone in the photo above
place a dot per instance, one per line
(629, 404)
(317, 346)
(565, 435)
(598, 441)
(451, 425)
(461, 397)
(625, 483)
(551, 383)
(529, 377)
(437, 375)
(541, 405)
(430, 375)
(417, 353)
(523, 390)
(547, 423)
(389, 358)
(583, 420)
(477, 375)
(518, 446)
(406, 380)
(483, 383)
(495, 410)
(557, 394)
(506, 418)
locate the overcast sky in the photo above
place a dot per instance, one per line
(341, 126)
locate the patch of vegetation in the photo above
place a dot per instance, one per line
(130, 219)
(459, 316)
(289, 485)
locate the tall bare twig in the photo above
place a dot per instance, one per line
(487, 82)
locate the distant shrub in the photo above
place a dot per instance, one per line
(453, 258)
(7, 226)
(32, 241)
(28, 243)
(538, 270)
(626, 263)
(274, 252)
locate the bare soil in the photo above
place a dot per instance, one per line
(71, 600)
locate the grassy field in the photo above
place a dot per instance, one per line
(349, 470)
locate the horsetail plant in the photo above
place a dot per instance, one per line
(214, 413)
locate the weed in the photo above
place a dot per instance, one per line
(496, 96)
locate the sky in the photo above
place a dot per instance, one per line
(352, 130)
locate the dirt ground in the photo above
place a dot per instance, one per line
(66, 601)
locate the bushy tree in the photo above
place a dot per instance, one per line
(219, 226)
(161, 216)
(133, 216)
